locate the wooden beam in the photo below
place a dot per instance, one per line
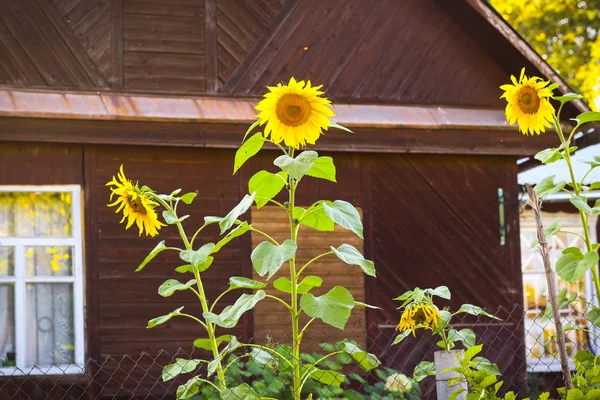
(229, 136)
(210, 40)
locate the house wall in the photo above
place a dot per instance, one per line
(238, 48)
(429, 221)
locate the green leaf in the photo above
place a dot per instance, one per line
(475, 310)
(582, 205)
(548, 156)
(588, 116)
(350, 255)
(345, 215)
(334, 307)
(284, 285)
(594, 316)
(456, 393)
(299, 166)
(547, 187)
(482, 363)
(239, 282)
(164, 318)
(328, 377)
(230, 316)
(261, 356)
(316, 218)
(573, 264)
(366, 361)
(423, 370)
(266, 185)
(250, 129)
(267, 257)
(182, 269)
(180, 366)
(197, 256)
(243, 391)
(466, 336)
(550, 230)
(205, 343)
(401, 336)
(361, 304)
(170, 286)
(440, 291)
(189, 197)
(568, 97)
(171, 218)
(472, 352)
(248, 150)
(231, 346)
(243, 206)
(323, 168)
(159, 247)
(189, 389)
(234, 233)
(338, 126)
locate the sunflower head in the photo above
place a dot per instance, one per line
(528, 104)
(419, 314)
(136, 205)
(294, 113)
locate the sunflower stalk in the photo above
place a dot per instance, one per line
(209, 327)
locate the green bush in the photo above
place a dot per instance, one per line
(273, 379)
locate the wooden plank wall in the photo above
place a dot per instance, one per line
(411, 51)
(271, 318)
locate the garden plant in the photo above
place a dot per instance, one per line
(291, 116)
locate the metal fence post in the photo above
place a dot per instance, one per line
(444, 360)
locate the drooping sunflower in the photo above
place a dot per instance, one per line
(528, 103)
(418, 314)
(136, 205)
(294, 113)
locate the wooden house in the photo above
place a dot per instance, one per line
(168, 89)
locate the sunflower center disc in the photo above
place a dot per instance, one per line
(293, 109)
(137, 206)
(529, 101)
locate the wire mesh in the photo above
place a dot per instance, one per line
(522, 343)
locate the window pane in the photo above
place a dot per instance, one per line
(7, 326)
(50, 333)
(30, 214)
(48, 261)
(7, 261)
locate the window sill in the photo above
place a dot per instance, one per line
(541, 365)
(72, 369)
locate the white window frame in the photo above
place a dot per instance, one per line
(19, 280)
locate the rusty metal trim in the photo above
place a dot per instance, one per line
(128, 107)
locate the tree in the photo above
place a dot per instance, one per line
(566, 34)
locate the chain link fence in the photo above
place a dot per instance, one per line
(522, 344)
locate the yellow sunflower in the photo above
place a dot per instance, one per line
(294, 113)
(136, 205)
(528, 103)
(419, 314)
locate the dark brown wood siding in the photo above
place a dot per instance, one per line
(411, 51)
(429, 221)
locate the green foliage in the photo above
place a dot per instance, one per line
(164, 318)
(247, 150)
(547, 187)
(345, 215)
(267, 257)
(159, 247)
(334, 307)
(270, 378)
(266, 185)
(230, 316)
(573, 264)
(350, 255)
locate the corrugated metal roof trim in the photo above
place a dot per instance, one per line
(103, 106)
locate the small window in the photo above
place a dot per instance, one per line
(41, 280)
(540, 336)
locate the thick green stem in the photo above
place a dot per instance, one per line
(210, 328)
(297, 387)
